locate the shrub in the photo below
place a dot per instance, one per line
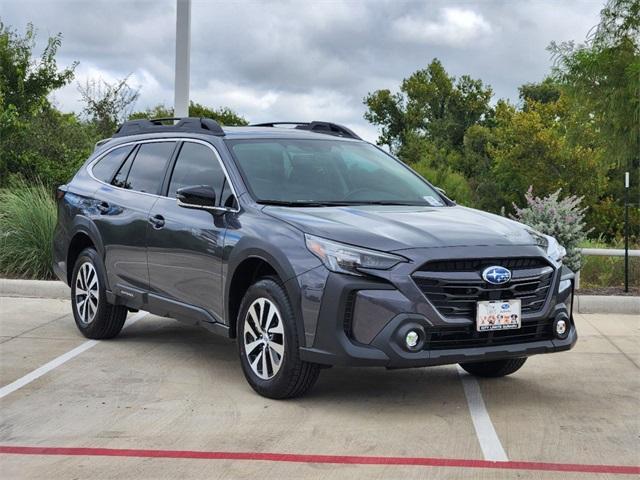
(560, 218)
(27, 220)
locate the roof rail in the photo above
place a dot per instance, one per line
(155, 125)
(316, 126)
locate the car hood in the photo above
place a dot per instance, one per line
(391, 228)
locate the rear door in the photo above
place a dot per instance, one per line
(124, 206)
(185, 248)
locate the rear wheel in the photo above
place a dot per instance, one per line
(94, 316)
(494, 368)
(268, 343)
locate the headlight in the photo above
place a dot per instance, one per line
(342, 258)
(555, 251)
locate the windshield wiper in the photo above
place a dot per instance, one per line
(302, 203)
(387, 202)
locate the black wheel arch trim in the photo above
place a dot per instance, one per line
(283, 268)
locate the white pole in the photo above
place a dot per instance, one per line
(183, 53)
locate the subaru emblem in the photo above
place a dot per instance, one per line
(496, 275)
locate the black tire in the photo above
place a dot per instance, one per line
(494, 368)
(294, 377)
(108, 320)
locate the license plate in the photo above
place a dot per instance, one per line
(498, 315)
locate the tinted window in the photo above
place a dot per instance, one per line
(196, 165)
(120, 180)
(107, 165)
(147, 171)
(228, 199)
(328, 171)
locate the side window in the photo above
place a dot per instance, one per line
(107, 165)
(228, 199)
(196, 165)
(148, 168)
(120, 180)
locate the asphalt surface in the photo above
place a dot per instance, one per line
(164, 386)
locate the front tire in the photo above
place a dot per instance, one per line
(494, 368)
(94, 316)
(268, 343)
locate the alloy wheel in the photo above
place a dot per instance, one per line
(264, 338)
(87, 293)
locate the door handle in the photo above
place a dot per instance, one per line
(103, 207)
(157, 221)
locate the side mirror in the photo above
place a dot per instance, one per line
(198, 196)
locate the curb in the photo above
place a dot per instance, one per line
(10, 287)
(607, 304)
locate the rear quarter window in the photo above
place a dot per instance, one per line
(106, 167)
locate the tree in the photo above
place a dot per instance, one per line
(36, 141)
(547, 91)
(431, 105)
(223, 115)
(108, 104)
(531, 148)
(25, 81)
(602, 80)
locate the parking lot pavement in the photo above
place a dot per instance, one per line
(162, 385)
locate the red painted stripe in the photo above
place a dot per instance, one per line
(336, 459)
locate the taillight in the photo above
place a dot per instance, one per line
(60, 191)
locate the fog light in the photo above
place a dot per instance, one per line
(561, 327)
(412, 339)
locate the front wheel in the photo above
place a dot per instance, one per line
(268, 343)
(494, 368)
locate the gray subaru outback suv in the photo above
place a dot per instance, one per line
(309, 246)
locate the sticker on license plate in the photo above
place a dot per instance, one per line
(498, 315)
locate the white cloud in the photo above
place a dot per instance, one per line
(455, 27)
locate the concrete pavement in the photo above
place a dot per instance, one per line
(166, 386)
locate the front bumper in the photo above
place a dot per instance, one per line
(388, 308)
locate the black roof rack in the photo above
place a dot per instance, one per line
(156, 125)
(315, 126)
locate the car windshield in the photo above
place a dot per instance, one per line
(328, 172)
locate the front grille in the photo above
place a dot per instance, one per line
(466, 336)
(454, 286)
(479, 264)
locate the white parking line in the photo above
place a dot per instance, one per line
(487, 436)
(56, 362)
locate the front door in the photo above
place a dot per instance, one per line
(184, 246)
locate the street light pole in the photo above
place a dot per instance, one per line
(183, 53)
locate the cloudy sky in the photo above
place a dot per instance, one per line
(303, 60)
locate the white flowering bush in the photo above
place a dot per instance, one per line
(560, 218)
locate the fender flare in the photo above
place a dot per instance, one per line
(280, 263)
(84, 225)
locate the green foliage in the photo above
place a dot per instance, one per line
(600, 271)
(431, 105)
(36, 140)
(223, 115)
(27, 221)
(50, 148)
(563, 219)
(602, 80)
(547, 91)
(531, 148)
(26, 81)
